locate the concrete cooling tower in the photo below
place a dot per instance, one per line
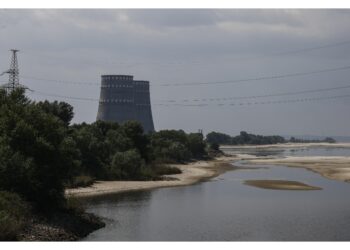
(123, 99)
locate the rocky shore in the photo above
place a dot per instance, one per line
(60, 226)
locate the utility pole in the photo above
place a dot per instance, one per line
(13, 73)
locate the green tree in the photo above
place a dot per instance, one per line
(36, 155)
(62, 110)
(126, 165)
(196, 145)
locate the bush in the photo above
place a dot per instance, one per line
(74, 205)
(166, 170)
(81, 181)
(196, 145)
(13, 213)
(214, 146)
(126, 165)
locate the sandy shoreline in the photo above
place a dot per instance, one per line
(331, 167)
(191, 173)
(288, 145)
(335, 168)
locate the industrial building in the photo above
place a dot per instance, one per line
(122, 98)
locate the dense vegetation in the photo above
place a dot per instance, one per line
(215, 139)
(41, 154)
(243, 138)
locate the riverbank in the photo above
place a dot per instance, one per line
(331, 167)
(60, 226)
(191, 173)
(288, 145)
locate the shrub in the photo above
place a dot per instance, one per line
(126, 165)
(74, 205)
(214, 146)
(196, 145)
(13, 213)
(81, 181)
(166, 170)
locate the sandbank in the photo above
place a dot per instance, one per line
(191, 173)
(280, 185)
(332, 167)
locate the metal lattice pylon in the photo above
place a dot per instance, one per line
(13, 72)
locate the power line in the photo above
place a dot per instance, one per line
(271, 77)
(256, 103)
(213, 99)
(258, 96)
(259, 78)
(183, 62)
(60, 81)
(306, 99)
(330, 45)
(65, 97)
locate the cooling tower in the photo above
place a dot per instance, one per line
(142, 101)
(122, 99)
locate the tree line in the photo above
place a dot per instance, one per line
(41, 153)
(215, 139)
(243, 138)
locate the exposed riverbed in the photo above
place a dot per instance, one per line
(224, 208)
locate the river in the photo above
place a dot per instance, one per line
(224, 209)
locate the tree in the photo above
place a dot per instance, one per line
(214, 146)
(62, 110)
(36, 155)
(196, 144)
(126, 165)
(219, 138)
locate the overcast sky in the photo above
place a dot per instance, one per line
(187, 46)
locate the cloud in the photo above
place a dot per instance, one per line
(169, 46)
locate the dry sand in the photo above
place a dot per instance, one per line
(332, 167)
(280, 185)
(191, 173)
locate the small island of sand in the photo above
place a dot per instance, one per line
(280, 185)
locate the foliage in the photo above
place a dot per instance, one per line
(126, 165)
(13, 213)
(177, 146)
(41, 153)
(36, 155)
(218, 138)
(214, 146)
(81, 181)
(327, 140)
(243, 138)
(166, 170)
(62, 110)
(196, 145)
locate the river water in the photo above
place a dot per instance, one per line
(224, 209)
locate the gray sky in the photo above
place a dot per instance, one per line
(185, 46)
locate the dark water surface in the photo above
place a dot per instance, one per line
(226, 209)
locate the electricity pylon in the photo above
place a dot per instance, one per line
(13, 73)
